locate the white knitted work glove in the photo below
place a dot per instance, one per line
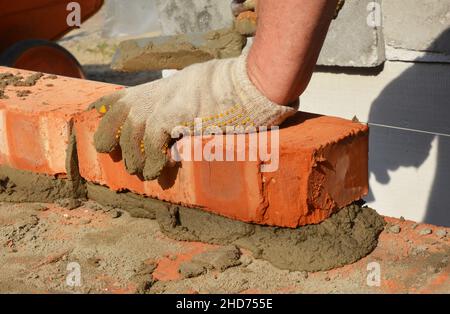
(141, 119)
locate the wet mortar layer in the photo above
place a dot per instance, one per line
(344, 238)
(26, 186)
(219, 259)
(138, 206)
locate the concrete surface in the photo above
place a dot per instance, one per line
(354, 38)
(189, 16)
(414, 25)
(45, 247)
(123, 19)
(352, 41)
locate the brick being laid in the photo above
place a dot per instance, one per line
(322, 166)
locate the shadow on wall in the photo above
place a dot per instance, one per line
(418, 99)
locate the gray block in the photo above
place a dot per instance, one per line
(189, 16)
(353, 39)
(416, 25)
(350, 42)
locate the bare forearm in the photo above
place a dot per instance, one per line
(287, 45)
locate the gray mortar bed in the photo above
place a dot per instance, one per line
(347, 236)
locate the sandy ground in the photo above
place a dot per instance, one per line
(114, 253)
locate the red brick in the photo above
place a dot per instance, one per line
(323, 167)
(35, 130)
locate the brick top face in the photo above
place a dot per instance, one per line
(310, 131)
(36, 121)
(59, 95)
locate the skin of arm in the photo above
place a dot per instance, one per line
(287, 45)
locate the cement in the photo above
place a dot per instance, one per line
(177, 52)
(23, 186)
(2, 94)
(23, 93)
(31, 80)
(26, 186)
(191, 270)
(137, 206)
(69, 203)
(219, 259)
(344, 238)
(144, 277)
(7, 79)
(73, 171)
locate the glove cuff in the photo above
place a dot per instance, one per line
(258, 107)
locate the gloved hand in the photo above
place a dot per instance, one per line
(141, 119)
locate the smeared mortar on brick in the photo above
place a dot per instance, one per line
(9, 79)
(344, 238)
(25, 186)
